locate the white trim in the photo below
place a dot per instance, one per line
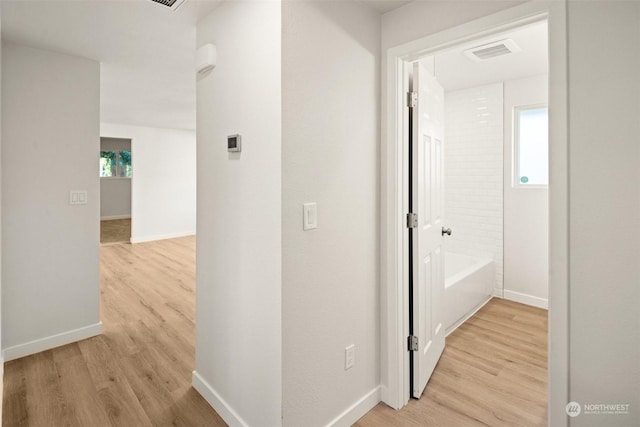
(558, 377)
(527, 299)
(112, 217)
(393, 328)
(356, 411)
(161, 237)
(53, 341)
(226, 412)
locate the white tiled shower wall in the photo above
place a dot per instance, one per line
(473, 174)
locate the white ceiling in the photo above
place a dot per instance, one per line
(455, 71)
(146, 51)
(384, 6)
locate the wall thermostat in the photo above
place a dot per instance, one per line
(234, 143)
(205, 58)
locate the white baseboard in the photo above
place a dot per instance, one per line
(110, 217)
(527, 299)
(47, 343)
(358, 409)
(217, 403)
(161, 237)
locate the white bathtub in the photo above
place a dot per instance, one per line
(468, 284)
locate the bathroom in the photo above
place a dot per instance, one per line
(495, 170)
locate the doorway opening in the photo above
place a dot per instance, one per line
(478, 165)
(116, 176)
(396, 298)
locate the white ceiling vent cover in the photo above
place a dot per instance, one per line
(170, 4)
(492, 50)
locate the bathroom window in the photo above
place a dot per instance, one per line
(531, 146)
(115, 164)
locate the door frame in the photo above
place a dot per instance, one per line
(394, 306)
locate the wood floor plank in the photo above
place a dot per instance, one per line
(138, 372)
(115, 231)
(75, 380)
(492, 372)
(15, 394)
(46, 404)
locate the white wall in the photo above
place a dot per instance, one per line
(50, 278)
(238, 313)
(526, 210)
(421, 18)
(115, 192)
(330, 156)
(115, 198)
(475, 194)
(473, 172)
(163, 186)
(604, 111)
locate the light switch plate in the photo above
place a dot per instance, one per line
(78, 197)
(309, 216)
(349, 357)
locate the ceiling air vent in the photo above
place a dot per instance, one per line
(170, 4)
(492, 50)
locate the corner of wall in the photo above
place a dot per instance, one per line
(222, 408)
(358, 409)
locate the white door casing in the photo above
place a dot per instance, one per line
(427, 202)
(395, 143)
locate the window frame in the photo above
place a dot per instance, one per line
(117, 167)
(515, 161)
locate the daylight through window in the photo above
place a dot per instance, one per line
(531, 146)
(115, 164)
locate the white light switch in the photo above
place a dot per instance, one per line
(309, 216)
(77, 197)
(349, 357)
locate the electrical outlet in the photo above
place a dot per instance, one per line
(349, 357)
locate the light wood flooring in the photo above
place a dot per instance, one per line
(138, 372)
(115, 231)
(493, 372)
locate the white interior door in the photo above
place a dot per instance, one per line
(427, 195)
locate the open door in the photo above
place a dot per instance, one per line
(427, 331)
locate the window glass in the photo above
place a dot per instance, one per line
(108, 163)
(115, 164)
(532, 146)
(124, 164)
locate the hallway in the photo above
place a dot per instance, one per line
(138, 372)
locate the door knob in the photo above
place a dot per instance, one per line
(446, 231)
